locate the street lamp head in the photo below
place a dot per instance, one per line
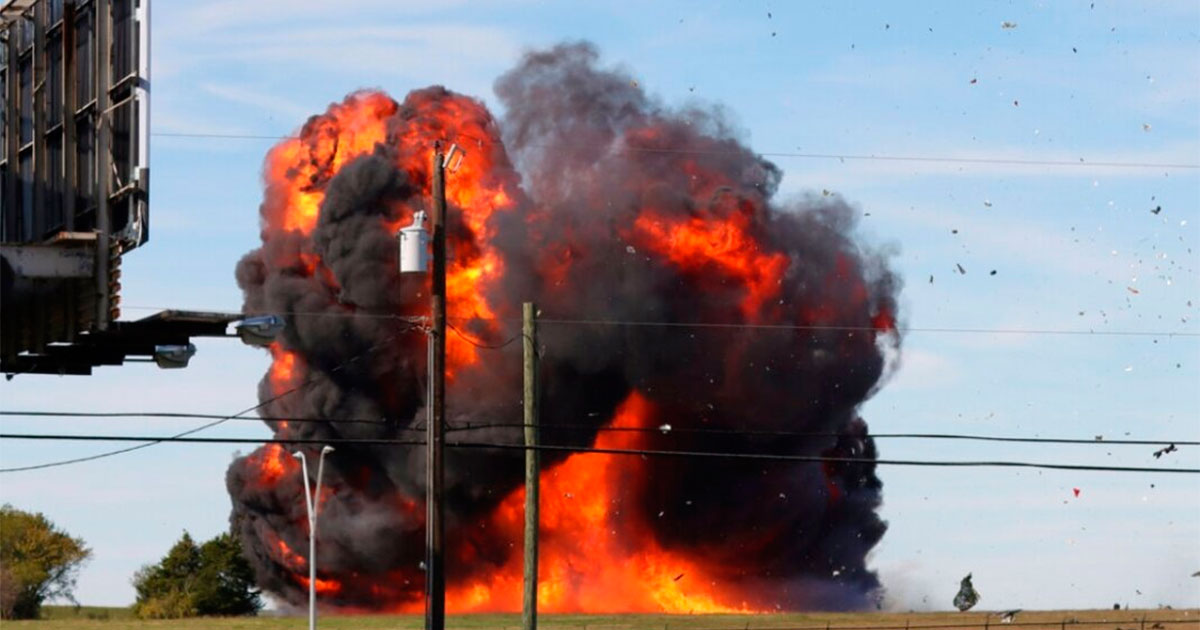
(298, 454)
(260, 331)
(327, 449)
(175, 356)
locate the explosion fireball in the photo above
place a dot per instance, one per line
(612, 211)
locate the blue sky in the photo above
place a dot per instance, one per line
(1113, 82)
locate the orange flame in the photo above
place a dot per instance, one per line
(297, 165)
(283, 373)
(720, 246)
(592, 556)
(324, 587)
(298, 565)
(272, 463)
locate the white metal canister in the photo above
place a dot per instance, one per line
(414, 245)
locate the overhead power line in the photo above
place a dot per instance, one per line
(1082, 162)
(738, 326)
(182, 435)
(671, 429)
(600, 450)
(182, 415)
(819, 327)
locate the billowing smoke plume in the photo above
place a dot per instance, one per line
(612, 211)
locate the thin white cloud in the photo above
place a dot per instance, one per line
(923, 370)
(243, 95)
(213, 16)
(1001, 162)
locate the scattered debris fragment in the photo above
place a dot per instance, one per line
(1009, 615)
(992, 273)
(630, 249)
(1076, 491)
(1156, 210)
(665, 428)
(967, 596)
(987, 203)
(1145, 126)
(930, 278)
(1008, 26)
(960, 269)
(1133, 290)
(1016, 103)
(1163, 451)
(974, 81)
(678, 577)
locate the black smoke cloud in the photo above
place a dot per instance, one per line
(591, 153)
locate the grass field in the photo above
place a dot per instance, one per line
(65, 618)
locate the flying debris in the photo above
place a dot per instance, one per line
(1156, 210)
(967, 596)
(1009, 615)
(1008, 26)
(1163, 451)
(1076, 491)
(960, 269)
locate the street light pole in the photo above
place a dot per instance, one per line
(312, 506)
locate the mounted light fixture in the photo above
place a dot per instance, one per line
(260, 331)
(171, 357)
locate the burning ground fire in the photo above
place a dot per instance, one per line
(583, 209)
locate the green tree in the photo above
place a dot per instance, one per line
(38, 561)
(226, 585)
(191, 580)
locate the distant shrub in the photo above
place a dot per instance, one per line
(191, 580)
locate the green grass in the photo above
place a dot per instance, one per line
(91, 617)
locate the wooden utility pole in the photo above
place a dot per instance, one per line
(529, 608)
(435, 579)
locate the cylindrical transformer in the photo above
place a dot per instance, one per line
(414, 245)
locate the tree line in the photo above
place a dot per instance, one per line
(40, 562)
